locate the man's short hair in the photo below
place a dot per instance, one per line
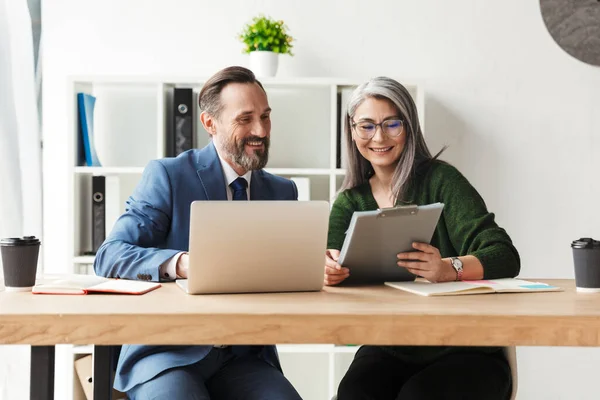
(209, 99)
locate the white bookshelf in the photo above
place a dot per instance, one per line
(108, 170)
(131, 121)
(82, 349)
(83, 260)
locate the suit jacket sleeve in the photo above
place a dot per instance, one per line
(132, 250)
(295, 190)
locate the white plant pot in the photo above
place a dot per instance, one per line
(264, 63)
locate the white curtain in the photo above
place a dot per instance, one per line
(20, 146)
(20, 162)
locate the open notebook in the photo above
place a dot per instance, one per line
(87, 284)
(508, 285)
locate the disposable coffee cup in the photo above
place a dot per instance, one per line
(586, 257)
(19, 262)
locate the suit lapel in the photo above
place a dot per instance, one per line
(211, 173)
(259, 187)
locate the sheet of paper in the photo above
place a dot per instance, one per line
(429, 289)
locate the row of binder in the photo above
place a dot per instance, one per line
(181, 127)
(180, 130)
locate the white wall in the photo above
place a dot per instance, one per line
(521, 116)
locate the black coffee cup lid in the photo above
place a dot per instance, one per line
(585, 243)
(24, 241)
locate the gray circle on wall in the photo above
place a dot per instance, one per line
(575, 27)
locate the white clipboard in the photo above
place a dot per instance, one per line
(374, 238)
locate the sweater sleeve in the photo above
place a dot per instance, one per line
(471, 227)
(339, 221)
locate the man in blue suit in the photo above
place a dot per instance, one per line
(150, 242)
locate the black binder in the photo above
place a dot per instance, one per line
(182, 130)
(98, 212)
(339, 131)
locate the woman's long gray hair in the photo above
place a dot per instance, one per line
(415, 152)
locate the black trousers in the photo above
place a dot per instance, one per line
(376, 374)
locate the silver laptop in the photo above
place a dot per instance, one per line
(256, 246)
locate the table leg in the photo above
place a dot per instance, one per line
(41, 386)
(103, 372)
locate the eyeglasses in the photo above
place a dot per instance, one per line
(366, 130)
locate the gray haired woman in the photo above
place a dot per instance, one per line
(389, 165)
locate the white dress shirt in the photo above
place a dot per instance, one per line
(230, 175)
(168, 268)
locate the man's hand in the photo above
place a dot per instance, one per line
(334, 272)
(182, 266)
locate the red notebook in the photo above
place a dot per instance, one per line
(86, 284)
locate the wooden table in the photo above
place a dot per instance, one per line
(365, 315)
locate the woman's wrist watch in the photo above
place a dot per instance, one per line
(458, 267)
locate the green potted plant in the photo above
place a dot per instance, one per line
(264, 39)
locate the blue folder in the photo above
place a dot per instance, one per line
(85, 105)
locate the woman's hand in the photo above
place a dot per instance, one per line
(428, 263)
(334, 272)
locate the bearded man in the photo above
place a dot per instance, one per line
(150, 242)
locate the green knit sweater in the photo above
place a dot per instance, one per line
(465, 228)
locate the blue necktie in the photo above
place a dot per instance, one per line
(239, 189)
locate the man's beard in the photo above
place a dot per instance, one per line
(237, 152)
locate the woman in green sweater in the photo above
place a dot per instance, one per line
(389, 164)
